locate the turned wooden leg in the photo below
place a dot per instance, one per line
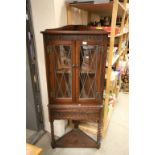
(99, 131)
(76, 124)
(52, 135)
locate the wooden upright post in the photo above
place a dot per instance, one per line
(69, 14)
(121, 31)
(112, 41)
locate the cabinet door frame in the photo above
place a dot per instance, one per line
(96, 100)
(52, 80)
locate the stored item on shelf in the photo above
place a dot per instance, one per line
(125, 29)
(125, 82)
(107, 21)
(88, 1)
(95, 24)
(115, 54)
(115, 50)
(114, 79)
(102, 20)
(101, 1)
(107, 28)
(84, 1)
(121, 66)
(124, 44)
(112, 100)
(118, 22)
(76, 1)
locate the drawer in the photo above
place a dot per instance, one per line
(75, 113)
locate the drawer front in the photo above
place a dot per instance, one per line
(75, 114)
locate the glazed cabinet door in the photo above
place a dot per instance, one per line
(89, 59)
(61, 72)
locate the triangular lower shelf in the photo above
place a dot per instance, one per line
(76, 138)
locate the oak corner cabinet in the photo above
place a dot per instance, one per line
(75, 57)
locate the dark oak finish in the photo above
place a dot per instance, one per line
(75, 58)
(80, 140)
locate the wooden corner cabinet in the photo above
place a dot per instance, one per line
(75, 58)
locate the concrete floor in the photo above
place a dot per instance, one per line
(115, 142)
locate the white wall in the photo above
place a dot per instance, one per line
(50, 14)
(79, 16)
(47, 14)
(43, 18)
(60, 13)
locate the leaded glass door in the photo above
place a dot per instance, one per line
(89, 72)
(62, 73)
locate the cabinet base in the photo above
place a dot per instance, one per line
(77, 139)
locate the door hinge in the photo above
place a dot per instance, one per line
(49, 49)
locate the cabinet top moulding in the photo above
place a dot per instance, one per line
(74, 29)
(102, 8)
